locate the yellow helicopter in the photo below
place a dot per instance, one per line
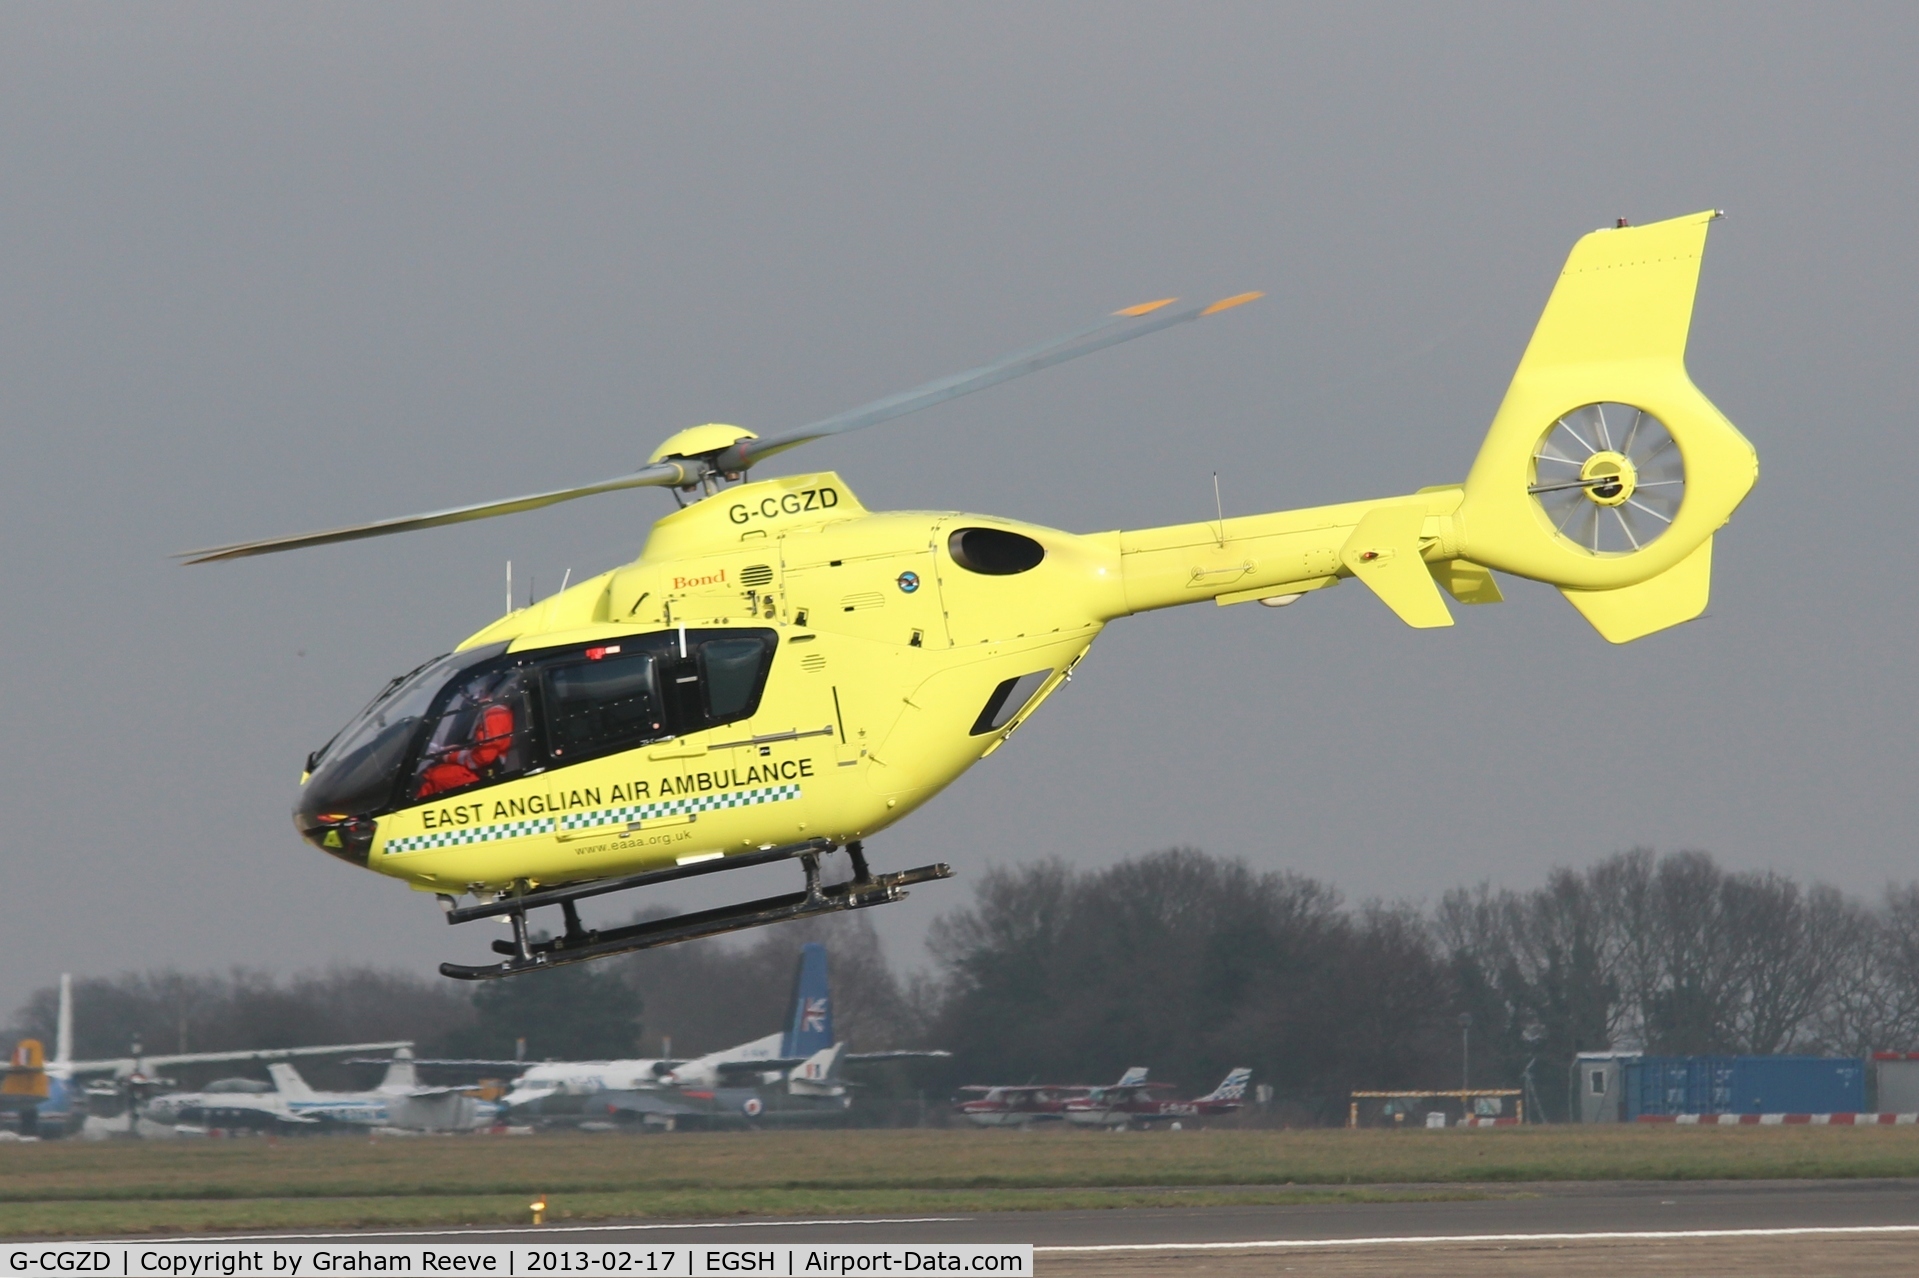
(782, 673)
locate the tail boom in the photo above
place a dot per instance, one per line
(1613, 334)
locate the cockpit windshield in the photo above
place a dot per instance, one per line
(354, 773)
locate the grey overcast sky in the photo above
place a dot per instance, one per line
(269, 268)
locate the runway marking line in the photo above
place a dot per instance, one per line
(1408, 1240)
(1643, 1235)
(559, 1229)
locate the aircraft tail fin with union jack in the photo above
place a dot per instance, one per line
(811, 1027)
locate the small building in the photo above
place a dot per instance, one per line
(1897, 1077)
(1625, 1086)
(1597, 1086)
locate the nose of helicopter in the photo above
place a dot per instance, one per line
(335, 833)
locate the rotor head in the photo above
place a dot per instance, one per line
(700, 441)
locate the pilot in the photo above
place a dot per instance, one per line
(492, 738)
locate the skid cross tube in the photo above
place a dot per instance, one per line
(815, 899)
(519, 905)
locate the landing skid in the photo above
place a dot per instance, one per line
(578, 944)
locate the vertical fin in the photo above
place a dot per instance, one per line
(811, 1028)
(1232, 1087)
(287, 1081)
(399, 1073)
(818, 1074)
(63, 1030)
(1613, 330)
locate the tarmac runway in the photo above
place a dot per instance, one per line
(1799, 1228)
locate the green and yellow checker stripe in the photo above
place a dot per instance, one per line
(590, 819)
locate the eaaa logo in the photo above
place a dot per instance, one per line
(813, 1019)
(909, 582)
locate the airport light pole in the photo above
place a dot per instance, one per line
(1465, 1051)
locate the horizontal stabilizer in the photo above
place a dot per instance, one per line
(1675, 595)
(1383, 552)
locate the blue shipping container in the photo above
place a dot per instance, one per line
(1667, 1085)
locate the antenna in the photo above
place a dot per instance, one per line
(1220, 511)
(563, 580)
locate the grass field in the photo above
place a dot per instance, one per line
(193, 1185)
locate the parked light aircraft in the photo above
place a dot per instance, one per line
(805, 1054)
(400, 1101)
(46, 1096)
(783, 673)
(1140, 1103)
(1029, 1103)
(813, 1091)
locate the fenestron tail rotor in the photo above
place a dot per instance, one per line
(1609, 477)
(731, 457)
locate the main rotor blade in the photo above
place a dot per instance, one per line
(658, 475)
(1082, 341)
(1108, 331)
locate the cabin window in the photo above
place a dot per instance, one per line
(732, 670)
(605, 702)
(1599, 1082)
(480, 734)
(615, 696)
(1007, 700)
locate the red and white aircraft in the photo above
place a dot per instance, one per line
(1034, 1102)
(1136, 1102)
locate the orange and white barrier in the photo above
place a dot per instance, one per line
(1782, 1120)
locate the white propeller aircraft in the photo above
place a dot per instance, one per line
(399, 1102)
